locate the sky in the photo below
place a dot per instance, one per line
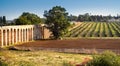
(14, 8)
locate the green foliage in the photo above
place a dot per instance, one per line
(107, 58)
(3, 63)
(66, 64)
(72, 18)
(25, 63)
(57, 21)
(3, 21)
(95, 18)
(27, 19)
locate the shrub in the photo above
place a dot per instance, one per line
(66, 64)
(3, 63)
(107, 58)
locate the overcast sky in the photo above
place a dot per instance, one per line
(14, 8)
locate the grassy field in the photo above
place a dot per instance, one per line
(40, 58)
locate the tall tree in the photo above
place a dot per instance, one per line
(57, 21)
(80, 18)
(1, 22)
(4, 20)
(86, 17)
(28, 18)
(72, 18)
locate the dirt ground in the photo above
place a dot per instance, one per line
(76, 43)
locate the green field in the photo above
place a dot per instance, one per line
(96, 29)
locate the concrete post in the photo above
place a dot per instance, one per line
(22, 34)
(9, 42)
(1, 37)
(6, 37)
(32, 34)
(27, 35)
(16, 30)
(19, 35)
(12, 36)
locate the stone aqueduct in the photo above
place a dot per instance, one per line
(11, 35)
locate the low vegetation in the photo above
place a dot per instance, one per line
(48, 58)
(40, 58)
(107, 58)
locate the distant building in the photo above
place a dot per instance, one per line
(10, 21)
(118, 20)
(114, 20)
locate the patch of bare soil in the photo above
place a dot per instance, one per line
(87, 46)
(78, 43)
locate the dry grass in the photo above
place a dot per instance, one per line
(40, 58)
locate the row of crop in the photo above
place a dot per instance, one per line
(114, 31)
(82, 29)
(72, 31)
(96, 31)
(108, 32)
(100, 29)
(116, 26)
(90, 32)
(75, 32)
(85, 30)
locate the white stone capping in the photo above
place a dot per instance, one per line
(17, 27)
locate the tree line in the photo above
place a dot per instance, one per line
(27, 18)
(93, 18)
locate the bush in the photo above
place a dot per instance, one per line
(107, 58)
(66, 64)
(2, 63)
